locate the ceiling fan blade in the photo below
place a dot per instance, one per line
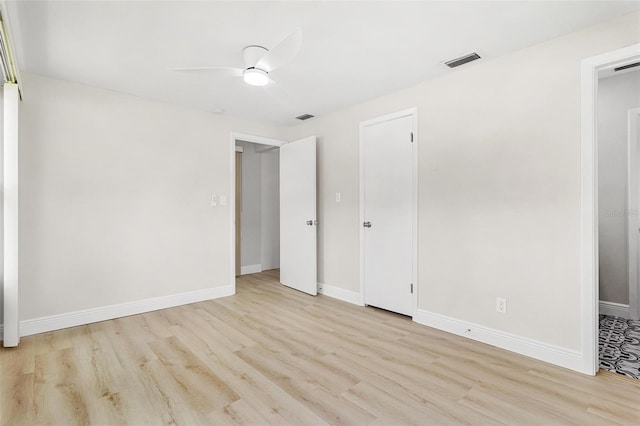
(282, 52)
(227, 70)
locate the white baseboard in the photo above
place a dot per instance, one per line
(543, 351)
(250, 269)
(268, 267)
(615, 309)
(88, 316)
(341, 294)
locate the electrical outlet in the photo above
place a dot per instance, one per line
(501, 305)
(338, 197)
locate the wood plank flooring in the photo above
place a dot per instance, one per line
(271, 355)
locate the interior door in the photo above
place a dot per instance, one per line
(298, 224)
(388, 214)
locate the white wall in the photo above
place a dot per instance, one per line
(270, 209)
(499, 186)
(616, 96)
(115, 191)
(250, 216)
(115, 198)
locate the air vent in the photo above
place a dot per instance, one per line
(304, 117)
(626, 67)
(462, 60)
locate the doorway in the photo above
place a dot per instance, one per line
(238, 157)
(618, 225)
(287, 208)
(592, 216)
(257, 213)
(388, 210)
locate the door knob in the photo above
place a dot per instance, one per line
(367, 224)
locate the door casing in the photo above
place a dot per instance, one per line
(633, 203)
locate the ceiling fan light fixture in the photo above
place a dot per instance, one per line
(255, 77)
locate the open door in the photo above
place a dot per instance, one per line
(298, 224)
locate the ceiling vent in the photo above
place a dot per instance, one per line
(304, 117)
(626, 67)
(462, 60)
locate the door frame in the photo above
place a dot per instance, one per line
(10, 331)
(233, 138)
(589, 197)
(633, 211)
(411, 112)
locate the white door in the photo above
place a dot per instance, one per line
(388, 234)
(298, 222)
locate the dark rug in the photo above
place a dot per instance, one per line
(619, 345)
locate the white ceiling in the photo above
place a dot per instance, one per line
(351, 51)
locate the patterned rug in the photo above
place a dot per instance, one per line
(619, 345)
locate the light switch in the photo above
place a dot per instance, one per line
(214, 200)
(338, 197)
(223, 200)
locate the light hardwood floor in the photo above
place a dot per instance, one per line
(271, 355)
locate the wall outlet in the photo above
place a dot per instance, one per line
(501, 305)
(338, 197)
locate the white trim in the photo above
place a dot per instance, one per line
(250, 269)
(103, 313)
(589, 198)
(416, 183)
(233, 137)
(633, 213)
(615, 309)
(413, 112)
(244, 137)
(532, 348)
(339, 293)
(11, 216)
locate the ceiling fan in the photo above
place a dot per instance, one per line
(260, 61)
